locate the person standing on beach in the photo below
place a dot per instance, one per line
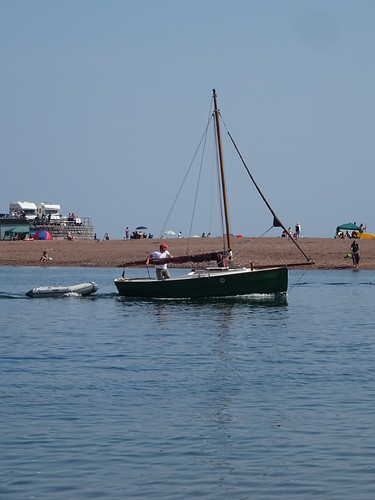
(161, 270)
(298, 230)
(355, 254)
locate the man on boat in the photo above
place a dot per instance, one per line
(161, 270)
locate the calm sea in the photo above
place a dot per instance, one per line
(106, 397)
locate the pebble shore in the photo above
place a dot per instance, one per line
(327, 253)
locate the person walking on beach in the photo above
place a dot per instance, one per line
(355, 254)
(161, 270)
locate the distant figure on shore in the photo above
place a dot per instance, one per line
(161, 270)
(45, 257)
(70, 237)
(106, 236)
(355, 254)
(298, 230)
(127, 233)
(180, 234)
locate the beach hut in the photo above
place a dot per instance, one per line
(11, 229)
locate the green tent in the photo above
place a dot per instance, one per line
(347, 227)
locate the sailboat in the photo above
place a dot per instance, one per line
(220, 280)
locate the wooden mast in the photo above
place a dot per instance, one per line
(216, 111)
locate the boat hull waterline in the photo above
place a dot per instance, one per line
(59, 291)
(207, 283)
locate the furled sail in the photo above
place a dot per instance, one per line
(219, 257)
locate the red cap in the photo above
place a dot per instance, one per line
(163, 245)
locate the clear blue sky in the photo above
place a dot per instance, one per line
(103, 103)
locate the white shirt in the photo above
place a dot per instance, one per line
(161, 255)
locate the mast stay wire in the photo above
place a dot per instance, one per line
(301, 276)
(202, 139)
(197, 186)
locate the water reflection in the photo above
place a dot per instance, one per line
(206, 355)
(211, 304)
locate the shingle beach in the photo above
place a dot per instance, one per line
(327, 253)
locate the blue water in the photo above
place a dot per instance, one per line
(106, 397)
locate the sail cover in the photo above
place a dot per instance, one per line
(219, 257)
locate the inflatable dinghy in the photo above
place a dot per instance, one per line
(59, 291)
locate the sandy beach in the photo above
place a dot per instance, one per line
(327, 253)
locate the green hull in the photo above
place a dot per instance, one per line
(217, 283)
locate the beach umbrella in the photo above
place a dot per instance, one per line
(43, 234)
(140, 227)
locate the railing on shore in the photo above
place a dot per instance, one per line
(64, 222)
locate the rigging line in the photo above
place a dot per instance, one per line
(212, 171)
(106, 284)
(212, 190)
(253, 238)
(265, 232)
(299, 279)
(187, 172)
(197, 188)
(215, 181)
(261, 235)
(309, 259)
